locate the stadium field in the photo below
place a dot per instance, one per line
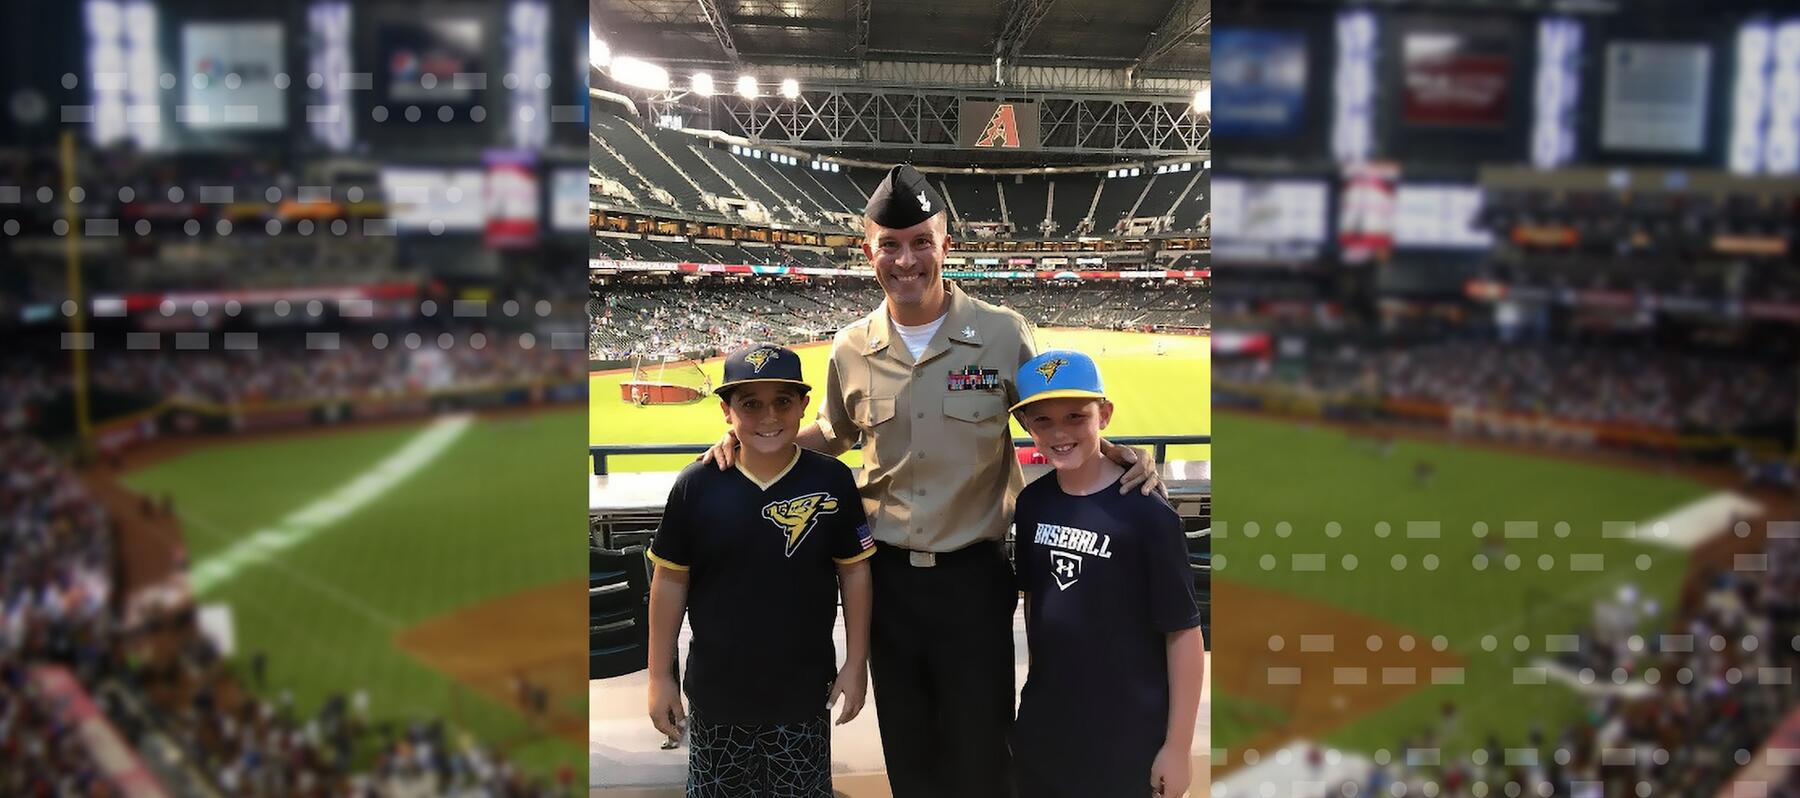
(1236, 719)
(1166, 394)
(1490, 594)
(331, 549)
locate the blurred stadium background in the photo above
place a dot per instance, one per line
(1507, 400)
(294, 341)
(733, 148)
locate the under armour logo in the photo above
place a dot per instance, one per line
(924, 204)
(1065, 567)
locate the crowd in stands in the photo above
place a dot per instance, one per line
(1654, 389)
(285, 371)
(55, 590)
(1708, 708)
(666, 319)
(1650, 388)
(57, 607)
(662, 320)
(265, 746)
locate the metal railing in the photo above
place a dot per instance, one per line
(1159, 445)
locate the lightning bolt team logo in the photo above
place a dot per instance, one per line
(1049, 368)
(761, 357)
(797, 516)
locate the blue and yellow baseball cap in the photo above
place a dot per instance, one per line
(1057, 374)
(761, 363)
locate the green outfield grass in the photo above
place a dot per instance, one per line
(1354, 486)
(326, 608)
(1236, 719)
(1167, 394)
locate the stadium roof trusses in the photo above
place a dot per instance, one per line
(1113, 46)
(1110, 77)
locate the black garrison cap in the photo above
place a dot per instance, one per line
(903, 199)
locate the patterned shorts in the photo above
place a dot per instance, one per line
(790, 760)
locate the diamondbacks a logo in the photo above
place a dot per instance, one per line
(797, 516)
(1065, 567)
(924, 204)
(1049, 368)
(761, 357)
(1002, 129)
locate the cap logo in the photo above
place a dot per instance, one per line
(761, 357)
(924, 204)
(1049, 367)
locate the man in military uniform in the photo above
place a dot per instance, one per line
(924, 382)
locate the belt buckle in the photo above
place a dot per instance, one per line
(921, 559)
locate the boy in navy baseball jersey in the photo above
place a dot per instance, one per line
(755, 557)
(1110, 617)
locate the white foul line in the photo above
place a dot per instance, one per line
(302, 524)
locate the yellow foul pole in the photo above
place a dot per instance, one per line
(78, 320)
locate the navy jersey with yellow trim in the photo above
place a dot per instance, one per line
(762, 592)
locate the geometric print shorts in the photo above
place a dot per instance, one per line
(789, 760)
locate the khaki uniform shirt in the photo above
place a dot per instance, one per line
(939, 471)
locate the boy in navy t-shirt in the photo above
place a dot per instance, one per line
(1110, 617)
(755, 557)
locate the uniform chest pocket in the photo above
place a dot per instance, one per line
(873, 410)
(980, 409)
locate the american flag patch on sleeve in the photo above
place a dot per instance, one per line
(865, 537)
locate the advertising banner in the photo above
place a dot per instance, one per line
(1259, 82)
(232, 68)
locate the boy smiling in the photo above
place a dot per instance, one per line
(1109, 603)
(755, 557)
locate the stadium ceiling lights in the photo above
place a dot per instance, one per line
(746, 87)
(790, 88)
(701, 84)
(640, 73)
(1203, 99)
(598, 55)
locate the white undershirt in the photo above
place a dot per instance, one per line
(917, 338)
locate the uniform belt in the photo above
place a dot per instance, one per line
(932, 559)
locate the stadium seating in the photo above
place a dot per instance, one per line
(752, 187)
(606, 133)
(665, 318)
(618, 612)
(1027, 200)
(841, 189)
(1117, 197)
(1159, 199)
(972, 198)
(1193, 212)
(1074, 196)
(629, 140)
(679, 147)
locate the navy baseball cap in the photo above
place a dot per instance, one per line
(761, 363)
(1057, 374)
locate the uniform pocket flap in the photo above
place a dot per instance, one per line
(974, 407)
(875, 410)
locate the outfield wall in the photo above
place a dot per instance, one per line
(176, 418)
(1499, 425)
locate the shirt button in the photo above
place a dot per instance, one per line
(921, 415)
(921, 491)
